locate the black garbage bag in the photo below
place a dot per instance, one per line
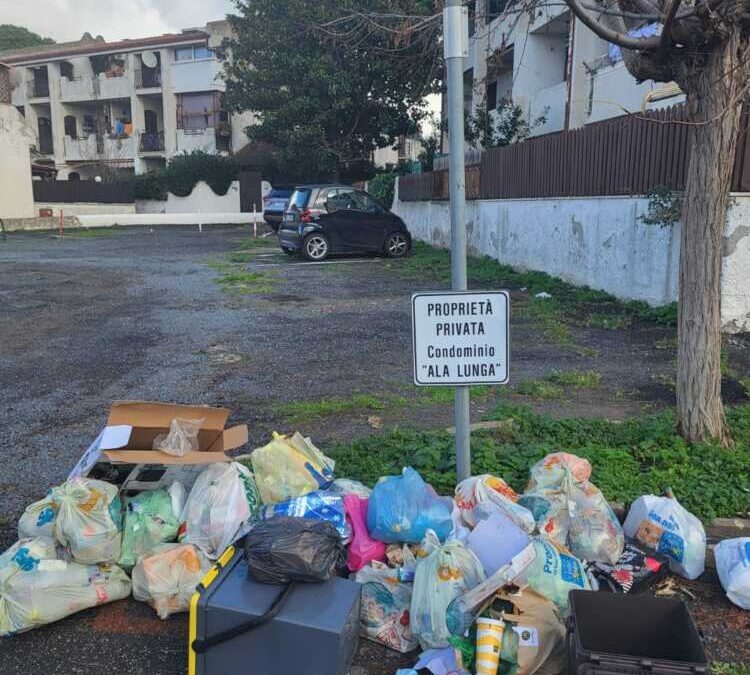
(285, 549)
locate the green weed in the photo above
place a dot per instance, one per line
(304, 410)
(445, 395)
(93, 233)
(721, 668)
(579, 379)
(541, 389)
(638, 456)
(245, 283)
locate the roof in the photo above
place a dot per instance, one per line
(89, 45)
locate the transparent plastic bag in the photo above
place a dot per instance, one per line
(447, 572)
(286, 549)
(290, 466)
(663, 525)
(149, 521)
(321, 505)
(39, 586)
(733, 566)
(346, 486)
(554, 573)
(38, 519)
(88, 519)
(478, 490)
(572, 511)
(182, 438)
(220, 508)
(402, 509)
(384, 612)
(166, 577)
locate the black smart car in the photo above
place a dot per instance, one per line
(325, 219)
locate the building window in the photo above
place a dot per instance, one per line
(492, 95)
(193, 53)
(66, 69)
(495, 8)
(71, 126)
(21, 109)
(198, 111)
(74, 175)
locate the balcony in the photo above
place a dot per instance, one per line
(109, 85)
(119, 147)
(38, 89)
(81, 149)
(550, 104)
(189, 140)
(94, 148)
(76, 89)
(150, 141)
(200, 75)
(147, 78)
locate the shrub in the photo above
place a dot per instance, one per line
(383, 187)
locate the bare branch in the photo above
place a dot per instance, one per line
(666, 33)
(615, 37)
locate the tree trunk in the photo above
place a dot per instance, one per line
(712, 98)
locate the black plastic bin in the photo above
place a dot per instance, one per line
(613, 633)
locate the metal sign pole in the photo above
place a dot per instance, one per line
(455, 29)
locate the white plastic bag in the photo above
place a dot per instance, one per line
(38, 519)
(38, 586)
(182, 438)
(733, 566)
(220, 507)
(290, 466)
(167, 576)
(481, 489)
(88, 519)
(386, 601)
(663, 525)
(149, 521)
(572, 511)
(448, 571)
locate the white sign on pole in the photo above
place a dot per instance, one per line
(461, 338)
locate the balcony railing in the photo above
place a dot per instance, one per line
(151, 141)
(38, 88)
(147, 78)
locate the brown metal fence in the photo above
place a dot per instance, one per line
(627, 155)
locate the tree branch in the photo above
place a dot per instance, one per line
(615, 37)
(666, 33)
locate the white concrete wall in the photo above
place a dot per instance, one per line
(84, 208)
(204, 200)
(597, 241)
(16, 137)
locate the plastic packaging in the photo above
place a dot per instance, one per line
(290, 466)
(149, 521)
(572, 511)
(554, 573)
(363, 547)
(733, 566)
(346, 486)
(88, 519)
(284, 549)
(166, 577)
(663, 525)
(323, 505)
(38, 586)
(495, 541)
(182, 438)
(636, 570)
(489, 641)
(447, 572)
(384, 612)
(402, 509)
(38, 519)
(220, 508)
(481, 489)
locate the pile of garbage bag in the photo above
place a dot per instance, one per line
(477, 579)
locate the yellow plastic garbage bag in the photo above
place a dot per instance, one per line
(88, 520)
(38, 586)
(290, 466)
(167, 576)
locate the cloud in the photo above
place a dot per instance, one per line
(66, 20)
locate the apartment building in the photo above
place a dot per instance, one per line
(125, 105)
(552, 66)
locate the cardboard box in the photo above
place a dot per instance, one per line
(122, 454)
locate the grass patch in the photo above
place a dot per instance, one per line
(541, 389)
(245, 283)
(579, 379)
(721, 668)
(639, 456)
(666, 343)
(304, 410)
(576, 304)
(445, 395)
(86, 233)
(745, 382)
(261, 242)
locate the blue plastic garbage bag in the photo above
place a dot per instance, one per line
(402, 509)
(319, 505)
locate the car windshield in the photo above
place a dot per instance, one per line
(300, 198)
(281, 192)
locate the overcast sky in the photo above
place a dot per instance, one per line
(65, 20)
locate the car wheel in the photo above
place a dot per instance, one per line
(316, 247)
(396, 245)
(289, 251)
